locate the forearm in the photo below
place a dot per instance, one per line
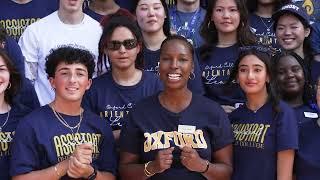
(218, 171)
(52, 173)
(105, 176)
(285, 165)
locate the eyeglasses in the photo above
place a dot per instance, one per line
(128, 44)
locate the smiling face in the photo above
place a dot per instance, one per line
(176, 64)
(70, 82)
(226, 16)
(124, 57)
(150, 15)
(290, 76)
(291, 33)
(252, 75)
(4, 76)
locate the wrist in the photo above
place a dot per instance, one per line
(91, 172)
(205, 166)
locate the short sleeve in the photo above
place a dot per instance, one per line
(15, 54)
(25, 154)
(108, 158)
(29, 47)
(130, 136)
(287, 130)
(222, 134)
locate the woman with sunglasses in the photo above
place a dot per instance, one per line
(176, 134)
(154, 21)
(225, 29)
(294, 86)
(265, 129)
(114, 94)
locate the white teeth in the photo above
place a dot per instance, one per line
(72, 89)
(174, 76)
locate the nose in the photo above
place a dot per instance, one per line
(73, 77)
(174, 64)
(287, 31)
(289, 74)
(250, 74)
(151, 12)
(122, 49)
(226, 14)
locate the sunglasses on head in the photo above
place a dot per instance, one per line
(128, 44)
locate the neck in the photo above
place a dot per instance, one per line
(153, 40)
(265, 10)
(4, 106)
(227, 39)
(21, 1)
(299, 51)
(188, 7)
(176, 100)
(72, 18)
(69, 108)
(256, 101)
(104, 8)
(294, 100)
(127, 77)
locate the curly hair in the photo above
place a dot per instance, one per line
(69, 54)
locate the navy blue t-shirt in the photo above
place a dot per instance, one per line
(151, 64)
(259, 136)
(263, 30)
(188, 24)
(42, 141)
(215, 73)
(16, 17)
(7, 134)
(315, 71)
(151, 128)
(113, 102)
(307, 160)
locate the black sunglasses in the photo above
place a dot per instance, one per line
(128, 44)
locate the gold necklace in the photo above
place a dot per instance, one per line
(64, 122)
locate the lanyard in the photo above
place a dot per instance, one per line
(189, 29)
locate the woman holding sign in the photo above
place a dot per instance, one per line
(175, 133)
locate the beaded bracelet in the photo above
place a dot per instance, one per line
(146, 172)
(207, 168)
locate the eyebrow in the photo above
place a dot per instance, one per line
(66, 69)
(255, 65)
(144, 4)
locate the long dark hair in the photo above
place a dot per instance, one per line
(166, 24)
(265, 56)
(114, 22)
(308, 93)
(252, 5)
(209, 32)
(15, 78)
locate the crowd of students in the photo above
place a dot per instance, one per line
(111, 89)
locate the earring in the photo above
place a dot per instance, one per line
(192, 76)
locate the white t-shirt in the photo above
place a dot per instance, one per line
(49, 33)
